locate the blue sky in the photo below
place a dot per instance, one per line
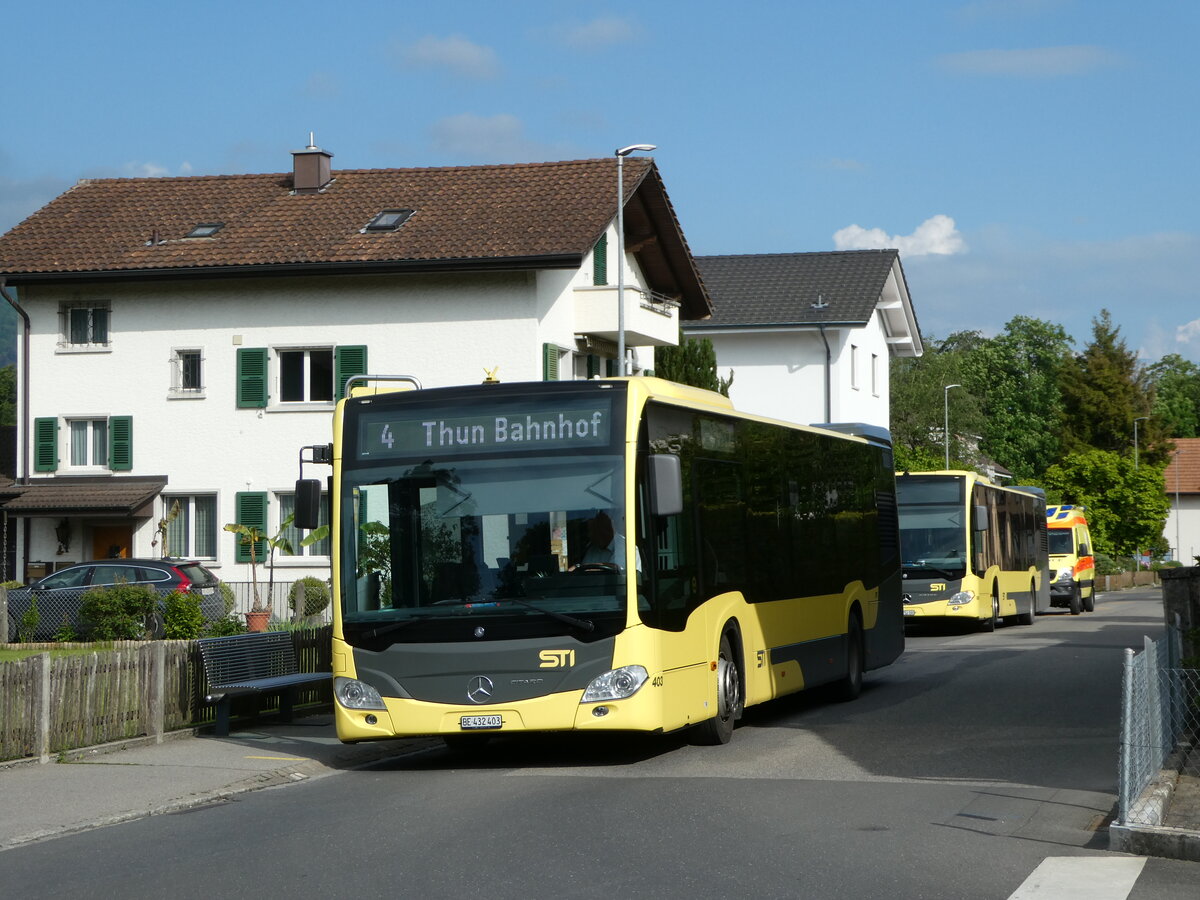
(1028, 157)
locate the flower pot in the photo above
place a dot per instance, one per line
(256, 620)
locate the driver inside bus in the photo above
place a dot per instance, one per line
(605, 545)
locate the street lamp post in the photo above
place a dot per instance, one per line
(946, 421)
(621, 154)
(1135, 440)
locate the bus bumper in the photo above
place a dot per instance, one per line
(555, 712)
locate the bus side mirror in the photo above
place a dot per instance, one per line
(308, 504)
(666, 485)
(981, 518)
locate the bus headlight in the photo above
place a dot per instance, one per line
(615, 685)
(962, 598)
(354, 694)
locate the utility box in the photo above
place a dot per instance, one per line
(1181, 596)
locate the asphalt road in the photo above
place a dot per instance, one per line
(962, 769)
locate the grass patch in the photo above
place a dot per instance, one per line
(12, 654)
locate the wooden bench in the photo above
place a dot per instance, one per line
(256, 664)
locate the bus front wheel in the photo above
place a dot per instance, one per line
(990, 624)
(1026, 618)
(851, 684)
(719, 729)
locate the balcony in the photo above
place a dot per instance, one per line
(650, 319)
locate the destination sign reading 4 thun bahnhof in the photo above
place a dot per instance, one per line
(563, 427)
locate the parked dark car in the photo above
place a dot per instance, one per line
(59, 595)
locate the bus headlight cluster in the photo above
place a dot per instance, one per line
(961, 598)
(354, 694)
(616, 684)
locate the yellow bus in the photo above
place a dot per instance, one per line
(973, 550)
(604, 555)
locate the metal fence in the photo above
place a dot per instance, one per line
(1160, 724)
(54, 615)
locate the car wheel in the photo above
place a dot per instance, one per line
(1089, 602)
(1075, 602)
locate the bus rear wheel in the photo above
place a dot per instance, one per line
(1075, 602)
(1026, 618)
(719, 729)
(851, 684)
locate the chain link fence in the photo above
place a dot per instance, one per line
(1160, 724)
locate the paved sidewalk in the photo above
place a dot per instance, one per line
(133, 779)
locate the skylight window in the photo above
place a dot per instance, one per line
(389, 220)
(206, 229)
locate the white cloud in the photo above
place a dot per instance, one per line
(598, 33)
(144, 170)
(936, 236)
(1035, 62)
(499, 137)
(455, 53)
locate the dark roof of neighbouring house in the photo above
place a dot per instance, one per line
(85, 496)
(840, 287)
(525, 216)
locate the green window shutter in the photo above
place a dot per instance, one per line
(251, 509)
(347, 361)
(120, 443)
(251, 377)
(593, 364)
(549, 362)
(600, 261)
(45, 444)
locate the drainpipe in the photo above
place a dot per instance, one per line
(828, 374)
(22, 410)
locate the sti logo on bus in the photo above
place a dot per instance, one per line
(556, 659)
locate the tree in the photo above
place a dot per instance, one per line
(1126, 507)
(1176, 395)
(693, 362)
(1104, 389)
(918, 405)
(8, 395)
(1017, 375)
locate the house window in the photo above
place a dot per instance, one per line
(854, 367)
(875, 374)
(295, 536)
(191, 528)
(187, 373)
(85, 326)
(305, 376)
(89, 442)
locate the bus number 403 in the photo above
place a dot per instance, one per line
(557, 659)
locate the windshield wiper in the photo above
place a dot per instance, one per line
(395, 626)
(945, 573)
(585, 624)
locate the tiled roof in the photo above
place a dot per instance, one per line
(118, 495)
(1185, 463)
(795, 288)
(529, 215)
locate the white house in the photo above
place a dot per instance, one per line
(809, 336)
(1181, 481)
(187, 336)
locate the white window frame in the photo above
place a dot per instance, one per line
(875, 374)
(66, 345)
(178, 391)
(854, 367)
(187, 513)
(89, 443)
(278, 352)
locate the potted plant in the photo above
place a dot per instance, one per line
(259, 614)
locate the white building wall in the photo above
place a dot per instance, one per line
(1182, 531)
(782, 373)
(446, 330)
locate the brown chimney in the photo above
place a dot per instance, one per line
(310, 168)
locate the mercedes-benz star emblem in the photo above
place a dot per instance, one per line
(479, 689)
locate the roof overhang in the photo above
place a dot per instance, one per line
(88, 497)
(896, 312)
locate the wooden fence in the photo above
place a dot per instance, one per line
(51, 705)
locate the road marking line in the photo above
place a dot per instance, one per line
(284, 758)
(1081, 878)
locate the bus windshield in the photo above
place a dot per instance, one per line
(537, 539)
(933, 527)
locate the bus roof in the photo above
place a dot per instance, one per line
(1065, 516)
